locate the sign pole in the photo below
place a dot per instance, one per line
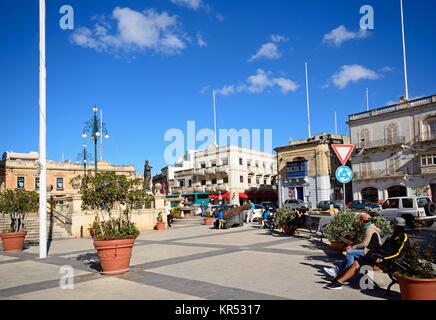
(345, 201)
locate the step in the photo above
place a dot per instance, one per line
(189, 221)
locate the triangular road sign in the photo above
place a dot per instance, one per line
(343, 151)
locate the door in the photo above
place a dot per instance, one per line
(300, 193)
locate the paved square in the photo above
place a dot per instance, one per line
(194, 262)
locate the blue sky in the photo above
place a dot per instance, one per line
(151, 66)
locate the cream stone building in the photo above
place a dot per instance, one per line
(20, 170)
(397, 145)
(232, 172)
(307, 170)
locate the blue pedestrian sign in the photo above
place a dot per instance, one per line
(344, 174)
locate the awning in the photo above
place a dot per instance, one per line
(213, 197)
(225, 196)
(243, 195)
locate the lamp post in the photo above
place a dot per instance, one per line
(84, 160)
(95, 130)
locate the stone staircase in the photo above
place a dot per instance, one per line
(186, 222)
(55, 229)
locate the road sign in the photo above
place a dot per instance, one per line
(343, 151)
(344, 174)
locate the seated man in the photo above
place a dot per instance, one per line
(221, 219)
(371, 242)
(391, 249)
(266, 216)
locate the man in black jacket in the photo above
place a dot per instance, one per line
(391, 249)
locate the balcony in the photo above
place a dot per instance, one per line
(223, 169)
(427, 136)
(377, 174)
(382, 143)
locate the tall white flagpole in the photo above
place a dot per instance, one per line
(404, 51)
(101, 134)
(214, 116)
(308, 101)
(336, 123)
(367, 99)
(42, 136)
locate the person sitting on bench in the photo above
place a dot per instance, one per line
(391, 249)
(221, 219)
(371, 242)
(266, 216)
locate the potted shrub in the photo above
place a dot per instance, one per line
(208, 220)
(114, 236)
(418, 279)
(17, 204)
(160, 225)
(285, 216)
(177, 213)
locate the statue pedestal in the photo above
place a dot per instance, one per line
(159, 202)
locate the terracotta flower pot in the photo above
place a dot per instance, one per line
(160, 226)
(290, 231)
(13, 241)
(114, 255)
(417, 289)
(208, 221)
(337, 245)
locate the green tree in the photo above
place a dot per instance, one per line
(17, 204)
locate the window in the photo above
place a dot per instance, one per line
(393, 164)
(203, 182)
(366, 167)
(265, 182)
(248, 163)
(257, 181)
(226, 180)
(428, 159)
(181, 183)
(264, 165)
(241, 179)
(36, 183)
(225, 161)
(249, 180)
(431, 128)
(408, 203)
(391, 134)
(257, 164)
(213, 181)
(20, 182)
(203, 166)
(190, 183)
(213, 164)
(391, 204)
(60, 184)
(241, 162)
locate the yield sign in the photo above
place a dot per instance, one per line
(343, 151)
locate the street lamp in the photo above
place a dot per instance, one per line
(95, 129)
(84, 160)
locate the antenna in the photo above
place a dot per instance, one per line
(308, 101)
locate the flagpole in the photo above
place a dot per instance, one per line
(367, 99)
(101, 134)
(404, 51)
(308, 101)
(42, 136)
(336, 124)
(214, 116)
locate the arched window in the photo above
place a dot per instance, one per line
(431, 128)
(370, 194)
(364, 138)
(391, 133)
(366, 167)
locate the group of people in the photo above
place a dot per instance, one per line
(369, 252)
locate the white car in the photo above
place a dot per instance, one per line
(258, 212)
(409, 208)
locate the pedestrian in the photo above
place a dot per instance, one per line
(203, 209)
(170, 217)
(250, 212)
(266, 216)
(221, 219)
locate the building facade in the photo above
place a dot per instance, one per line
(397, 150)
(307, 170)
(20, 170)
(231, 173)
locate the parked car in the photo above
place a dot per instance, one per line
(270, 205)
(295, 204)
(410, 208)
(363, 204)
(325, 205)
(258, 212)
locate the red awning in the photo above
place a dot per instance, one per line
(243, 195)
(226, 196)
(213, 197)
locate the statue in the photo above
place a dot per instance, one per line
(147, 175)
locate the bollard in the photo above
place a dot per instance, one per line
(81, 231)
(332, 210)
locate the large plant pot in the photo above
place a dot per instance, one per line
(337, 245)
(208, 221)
(417, 289)
(290, 231)
(13, 241)
(114, 255)
(160, 226)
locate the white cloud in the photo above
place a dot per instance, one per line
(340, 35)
(191, 4)
(135, 31)
(270, 50)
(200, 41)
(353, 73)
(259, 83)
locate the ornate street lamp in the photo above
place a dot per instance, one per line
(94, 129)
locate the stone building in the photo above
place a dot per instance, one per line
(20, 170)
(307, 170)
(397, 150)
(233, 173)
